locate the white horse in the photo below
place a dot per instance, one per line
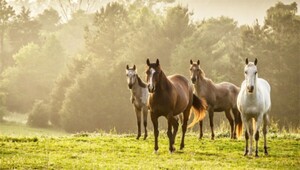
(254, 102)
(139, 97)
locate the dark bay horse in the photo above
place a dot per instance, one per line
(169, 97)
(219, 97)
(139, 97)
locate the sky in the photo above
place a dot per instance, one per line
(243, 11)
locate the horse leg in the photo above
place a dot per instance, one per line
(228, 116)
(236, 121)
(145, 115)
(186, 115)
(154, 119)
(246, 127)
(138, 117)
(171, 135)
(265, 130)
(169, 132)
(246, 139)
(201, 129)
(175, 127)
(258, 124)
(250, 133)
(211, 121)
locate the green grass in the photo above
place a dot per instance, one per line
(112, 151)
(17, 130)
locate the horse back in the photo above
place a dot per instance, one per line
(226, 95)
(183, 91)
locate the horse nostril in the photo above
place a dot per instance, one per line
(193, 79)
(250, 89)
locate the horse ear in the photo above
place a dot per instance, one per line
(255, 61)
(191, 62)
(247, 61)
(127, 67)
(157, 62)
(198, 62)
(148, 62)
(134, 67)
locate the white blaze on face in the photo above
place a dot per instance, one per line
(152, 71)
(250, 75)
(130, 76)
(195, 69)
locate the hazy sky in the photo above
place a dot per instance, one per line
(243, 11)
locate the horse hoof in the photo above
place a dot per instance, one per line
(156, 152)
(145, 137)
(266, 154)
(181, 147)
(172, 149)
(246, 153)
(138, 137)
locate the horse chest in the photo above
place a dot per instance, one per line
(252, 107)
(160, 106)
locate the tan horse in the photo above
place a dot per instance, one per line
(219, 97)
(169, 97)
(139, 97)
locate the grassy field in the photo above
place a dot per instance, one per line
(30, 148)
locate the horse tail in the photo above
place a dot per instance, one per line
(199, 108)
(239, 129)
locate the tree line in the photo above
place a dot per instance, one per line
(72, 74)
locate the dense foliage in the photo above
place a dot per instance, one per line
(71, 69)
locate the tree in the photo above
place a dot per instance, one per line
(6, 15)
(33, 75)
(64, 81)
(216, 43)
(23, 30)
(49, 20)
(107, 37)
(276, 45)
(176, 27)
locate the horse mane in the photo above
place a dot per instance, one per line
(202, 74)
(141, 83)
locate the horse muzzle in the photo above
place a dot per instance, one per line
(193, 80)
(250, 89)
(151, 89)
(130, 86)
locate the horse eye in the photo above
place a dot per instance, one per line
(245, 72)
(256, 72)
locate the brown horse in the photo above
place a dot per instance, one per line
(170, 96)
(219, 97)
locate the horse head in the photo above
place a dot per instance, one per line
(131, 75)
(250, 74)
(195, 71)
(153, 73)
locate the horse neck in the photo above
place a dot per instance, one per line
(203, 85)
(164, 83)
(140, 82)
(135, 87)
